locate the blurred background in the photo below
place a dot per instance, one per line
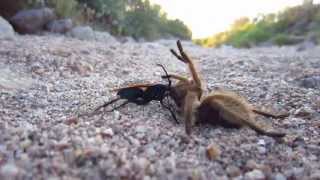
(209, 23)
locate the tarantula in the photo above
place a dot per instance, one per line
(142, 94)
(220, 107)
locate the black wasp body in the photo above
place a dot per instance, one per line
(142, 94)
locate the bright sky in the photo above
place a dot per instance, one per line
(207, 17)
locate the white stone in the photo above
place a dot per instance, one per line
(255, 175)
(6, 30)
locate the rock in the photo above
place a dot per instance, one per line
(82, 33)
(126, 39)
(295, 173)
(53, 178)
(151, 152)
(107, 132)
(105, 37)
(10, 80)
(304, 111)
(81, 67)
(116, 115)
(311, 82)
(32, 21)
(9, 171)
(255, 175)
(311, 41)
(251, 164)
(87, 33)
(140, 164)
(262, 150)
(279, 176)
(315, 175)
(213, 152)
(6, 30)
(169, 164)
(233, 171)
(261, 142)
(60, 26)
(306, 45)
(72, 120)
(134, 141)
(141, 129)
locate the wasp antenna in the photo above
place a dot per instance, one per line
(167, 75)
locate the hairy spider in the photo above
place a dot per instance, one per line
(220, 107)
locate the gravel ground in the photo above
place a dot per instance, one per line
(46, 81)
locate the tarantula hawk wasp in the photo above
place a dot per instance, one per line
(142, 94)
(219, 107)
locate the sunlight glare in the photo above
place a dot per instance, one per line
(207, 17)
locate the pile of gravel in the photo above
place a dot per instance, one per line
(47, 81)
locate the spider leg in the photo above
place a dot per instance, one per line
(191, 103)
(269, 114)
(186, 59)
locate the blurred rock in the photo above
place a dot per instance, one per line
(107, 132)
(279, 176)
(9, 171)
(82, 68)
(233, 171)
(87, 33)
(213, 152)
(6, 30)
(126, 39)
(315, 175)
(60, 26)
(32, 21)
(311, 82)
(105, 37)
(255, 175)
(310, 41)
(295, 173)
(82, 33)
(251, 164)
(10, 80)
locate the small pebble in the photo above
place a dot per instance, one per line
(107, 132)
(141, 129)
(9, 171)
(150, 152)
(279, 176)
(116, 115)
(255, 175)
(72, 120)
(233, 171)
(315, 175)
(262, 150)
(251, 164)
(261, 142)
(134, 141)
(213, 152)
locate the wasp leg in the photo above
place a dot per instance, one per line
(171, 112)
(117, 107)
(140, 101)
(106, 104)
